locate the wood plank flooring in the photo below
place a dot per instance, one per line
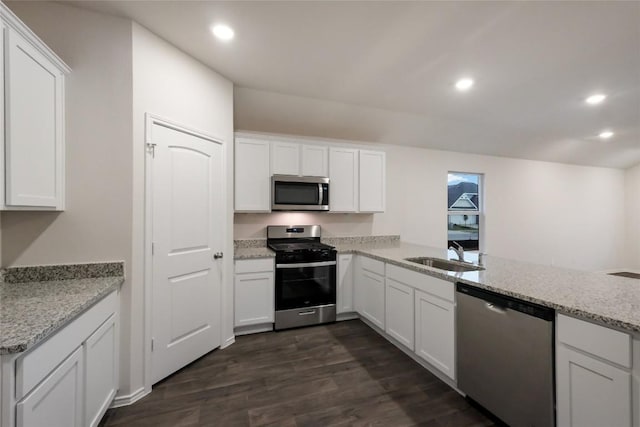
(342, 374)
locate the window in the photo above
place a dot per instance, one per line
(464, 209)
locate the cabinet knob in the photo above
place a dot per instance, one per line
(218, 255)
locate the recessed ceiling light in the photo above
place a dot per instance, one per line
(595, 99)
(464, 84)
(606, 134)
(222, 32)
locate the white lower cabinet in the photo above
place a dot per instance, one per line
(254, 292)
(370, 290)
(373, 298)
(68, 380)
(101, 371)
(57, 400)
(435, 332)
(399, 312)
(415, 309)
(591, 392)
(593, 375)
(344, 284)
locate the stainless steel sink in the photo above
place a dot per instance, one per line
(444, 264)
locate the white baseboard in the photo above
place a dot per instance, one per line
(228, 342)
(126, 400)
(347, 316)
(253, 329)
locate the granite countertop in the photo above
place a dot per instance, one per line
(30, 311)
(249, 253)
(611, 300)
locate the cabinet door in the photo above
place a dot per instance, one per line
(252, 177)
(57, 400)
(315, 160)
(101, 370)
(372, 181)
(435, 332)
(345, 284)
(254, 299)
(591, 393)
(399, 312)
(285, 158)
(343, 180)
(33, 128)
(373, 298)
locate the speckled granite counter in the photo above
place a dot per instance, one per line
(257, 248)
(30, 311)
(249, 253)
(614, 301)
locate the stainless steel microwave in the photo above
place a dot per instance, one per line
(299, 193)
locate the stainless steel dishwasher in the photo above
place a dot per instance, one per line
(505, 356)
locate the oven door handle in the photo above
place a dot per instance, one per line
(307, 264)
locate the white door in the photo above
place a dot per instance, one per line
(399, 312)
(373, 307)
(345, 284)
(435, 332)
(285, 158)
(372, 181)
(57, 400)
(188, 228)
(590, 392)
(343, 180)
(33, 134)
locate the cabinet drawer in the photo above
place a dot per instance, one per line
(254, 265)
(611, 345)
(373, 265)
(36, 364)
(423, 282)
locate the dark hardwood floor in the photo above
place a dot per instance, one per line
(342, 374)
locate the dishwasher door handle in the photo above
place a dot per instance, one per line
(495, 308)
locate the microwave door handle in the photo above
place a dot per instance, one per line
(320, 194)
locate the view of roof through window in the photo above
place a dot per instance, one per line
(463, 225)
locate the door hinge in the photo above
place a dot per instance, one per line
(152, 344)
(153, 248)
(151, 148)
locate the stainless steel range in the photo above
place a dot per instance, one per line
(305, 286)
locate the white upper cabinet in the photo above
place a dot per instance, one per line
(372, 181)
(315, 160)
(285, 158)
(291, 158)
(33, 120)
(252, 177)
(343, 179)
(357, 178)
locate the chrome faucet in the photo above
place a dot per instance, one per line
(459, 251)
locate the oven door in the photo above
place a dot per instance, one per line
(305, 285)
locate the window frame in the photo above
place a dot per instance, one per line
(479, 213)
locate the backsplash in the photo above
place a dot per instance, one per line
(261, 243)
(360, 239)
(249, 243)
(43, 273)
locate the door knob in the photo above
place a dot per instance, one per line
(217, 255)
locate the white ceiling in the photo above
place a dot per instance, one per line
(533, 63)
